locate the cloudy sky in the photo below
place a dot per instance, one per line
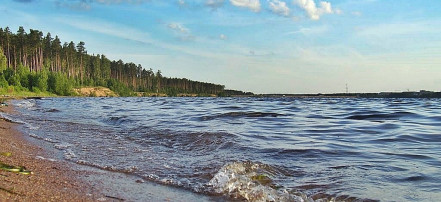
(263, 46)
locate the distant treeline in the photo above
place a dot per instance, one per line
(43, 63)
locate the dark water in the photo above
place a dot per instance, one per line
(278, 149)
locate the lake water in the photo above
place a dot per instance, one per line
(274, 149)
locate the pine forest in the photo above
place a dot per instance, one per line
(43, 63)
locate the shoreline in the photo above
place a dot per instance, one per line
(60, 180)
(51, 180)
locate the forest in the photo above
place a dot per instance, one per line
(41, 63)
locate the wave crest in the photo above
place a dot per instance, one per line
(231, 115)
(250, 181)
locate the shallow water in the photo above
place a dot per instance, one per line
(281, 149)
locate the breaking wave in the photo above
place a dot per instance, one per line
(252, 182)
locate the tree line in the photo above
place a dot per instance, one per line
(38, 62)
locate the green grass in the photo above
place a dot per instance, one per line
(13, 92)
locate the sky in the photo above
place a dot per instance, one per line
(262, 46)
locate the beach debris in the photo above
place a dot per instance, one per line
(115, 198)
(15, 169)
(7, 154)
(4, 104)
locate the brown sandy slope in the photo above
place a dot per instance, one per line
(95, 92)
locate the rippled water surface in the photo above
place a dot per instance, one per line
(281, 149)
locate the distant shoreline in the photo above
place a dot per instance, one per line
(420, 94)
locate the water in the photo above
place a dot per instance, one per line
(273, 149)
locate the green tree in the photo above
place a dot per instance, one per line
(105, 70)
(95, 65)
(3, 82)
(24, 75)
(40, 81)
(81, 51)
(158, 81)
(14, 80)
(3, 61)
(59, 84)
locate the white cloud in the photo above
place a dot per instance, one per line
(222, 37)
(181, 2)
(214, 3)
(279, 7)
(178, 27)
(254, 5)
(182, 32)
(309, 31)
(313, 11)
(325, 7)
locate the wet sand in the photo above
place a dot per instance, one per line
(51, 180)
(59, 180)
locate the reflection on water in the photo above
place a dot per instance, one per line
(281, 149)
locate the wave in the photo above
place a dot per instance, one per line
(382, 116)
(241, 115)
(52, 110)
(195, 142)
(251, 181)
(283, 150)
(117, 120)
(10, 119)
(27, 104)
(128, 169)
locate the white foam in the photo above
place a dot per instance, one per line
(238, 180)
(69, 154)
(42, 158)
(63, 146)
(50, 140)
(27, 104)
(14, 120)
(31, 127)
(35, 136)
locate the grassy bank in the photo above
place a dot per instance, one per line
(12, 92)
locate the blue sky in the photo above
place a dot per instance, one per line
(263, 46)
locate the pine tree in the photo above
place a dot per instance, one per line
(3, 61)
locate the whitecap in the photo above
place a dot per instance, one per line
(62, 146)
(249, 181)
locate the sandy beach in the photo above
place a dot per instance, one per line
(50, 180)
